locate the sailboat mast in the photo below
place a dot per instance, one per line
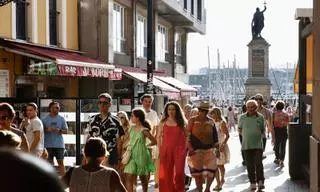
(209, 77)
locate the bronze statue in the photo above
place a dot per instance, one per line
(257, 23)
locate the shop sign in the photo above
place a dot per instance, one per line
(87, 71)
(115, 75)
(43, 68)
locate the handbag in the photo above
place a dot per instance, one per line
(127, 154)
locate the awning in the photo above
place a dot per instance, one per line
(67, 62)
(309, 70)
(186, 90)
(172, 92)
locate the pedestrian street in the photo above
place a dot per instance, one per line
(276, 179)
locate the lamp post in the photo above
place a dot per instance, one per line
(150, 45)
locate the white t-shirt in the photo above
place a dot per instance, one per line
(153, 118)
(35, 125)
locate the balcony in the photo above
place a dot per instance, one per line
(174, 11)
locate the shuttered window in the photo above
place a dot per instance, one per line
(53, 22)
(21, 20)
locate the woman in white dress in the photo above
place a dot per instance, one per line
(223, 136)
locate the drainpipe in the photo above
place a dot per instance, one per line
(134, 34)
(173, 54)
(98, 15)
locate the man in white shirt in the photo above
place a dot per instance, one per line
(152, 117)
(34, 131)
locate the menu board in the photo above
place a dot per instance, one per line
(4, 83)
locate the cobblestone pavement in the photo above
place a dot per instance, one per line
(276, 179)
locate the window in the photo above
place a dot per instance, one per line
(141, 37)
(162, 46)
(21, 18)
(178, 44)
(185, 4)
(118, 28)
(192, 7)
(53, 22)
(199, 10)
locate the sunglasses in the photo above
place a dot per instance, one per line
(258, 99)
(103, 103)
(4, 118)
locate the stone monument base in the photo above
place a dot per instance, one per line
(253, 87)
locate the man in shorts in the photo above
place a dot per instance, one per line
(54, 126)
(202, 146)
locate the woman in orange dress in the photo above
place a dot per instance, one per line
(172, 142)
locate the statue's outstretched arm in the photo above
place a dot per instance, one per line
(265, 8)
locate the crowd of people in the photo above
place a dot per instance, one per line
(119, 149)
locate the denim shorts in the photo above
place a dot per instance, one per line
(55, 152)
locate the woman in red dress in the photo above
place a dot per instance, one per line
(172, 140)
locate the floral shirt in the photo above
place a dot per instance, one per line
(108, 129)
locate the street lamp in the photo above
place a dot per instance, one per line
(150, 48)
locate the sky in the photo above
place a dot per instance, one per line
(229, 30)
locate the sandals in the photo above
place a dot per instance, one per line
(217, 188)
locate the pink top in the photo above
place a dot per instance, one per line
(280, 119)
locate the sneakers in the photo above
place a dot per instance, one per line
(281, 164)
(253, 186)
(277, 161)
(261, 185)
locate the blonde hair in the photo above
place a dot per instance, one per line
(126, 121)
(218, 112)
(194, 110)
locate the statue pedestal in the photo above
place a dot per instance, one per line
(258, 69)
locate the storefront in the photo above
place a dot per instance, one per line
(29, 70)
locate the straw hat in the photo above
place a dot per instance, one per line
(204, 105)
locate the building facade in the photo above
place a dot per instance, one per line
(118, 36)
(39, 50)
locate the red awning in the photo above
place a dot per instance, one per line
(54, 54)
(186, 90)
(141, 76)
(69, 62)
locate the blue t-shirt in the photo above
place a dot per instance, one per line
(54, 140)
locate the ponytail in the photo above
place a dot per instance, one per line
(146, 124)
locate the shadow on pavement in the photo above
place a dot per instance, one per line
(236, 176)
(295, 186)
(272, 170)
